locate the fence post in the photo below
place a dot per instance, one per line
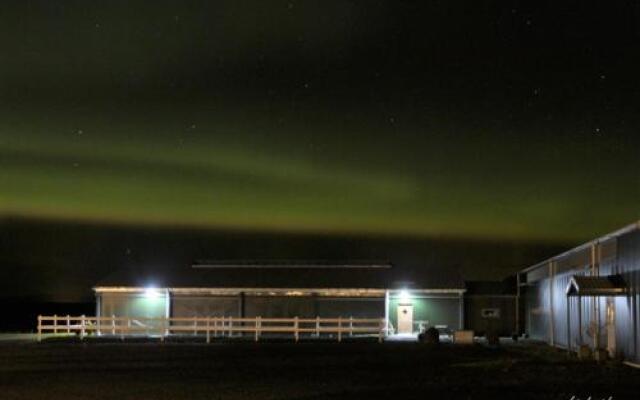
(82, 327)
(39, 328)
(113, 324)
(208, 329)
(230, 327)
(351, 326)
(195, 326)
(68, 324)
(317, 326)
(339, 329)
(258, 326)
(55, 323)
(295, 328)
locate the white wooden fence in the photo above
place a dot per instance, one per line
(210, 327)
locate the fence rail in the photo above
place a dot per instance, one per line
(84, 326)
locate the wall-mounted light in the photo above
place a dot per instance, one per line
(151, 293)
(405, 295)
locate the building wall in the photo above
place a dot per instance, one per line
(204, 306)
(628, 308)
(133, 305)
(503, 325)
(546, 316)
(430, 310)
(277, 306)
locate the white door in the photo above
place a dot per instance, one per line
(405, 319)
(611, 326)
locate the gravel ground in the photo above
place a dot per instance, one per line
(63, 369)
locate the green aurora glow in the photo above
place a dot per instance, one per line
(426, 119)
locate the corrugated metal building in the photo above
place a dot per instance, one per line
(409, 297)
(588, 295)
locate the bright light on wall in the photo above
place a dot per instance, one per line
(151, 293)
(404, 295)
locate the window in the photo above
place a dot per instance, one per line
(490, 313)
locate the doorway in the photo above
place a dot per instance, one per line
(405, 319)
(611, 326)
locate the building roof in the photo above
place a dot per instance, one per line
(506, 287)
(612, 285)
(288, 274)
(612, 235)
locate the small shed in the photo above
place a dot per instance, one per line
(491, 307)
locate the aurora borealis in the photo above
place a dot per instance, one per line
(505, 122)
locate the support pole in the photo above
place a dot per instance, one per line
(295, 327)
(579, 321)
(351, 326)
(568, 323)
(339, 329)
(386, 313)
(82, 326)
(208, 330)
(518, 304)
(55, 323)
(551, 303)
(317, 326)
(39, 328)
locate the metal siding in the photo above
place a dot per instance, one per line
(203, 306)
(537, 310)
(350, 307)
(627, 308)
(132, 305)
(280, 307)
(619, 255)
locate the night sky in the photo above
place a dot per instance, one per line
(419, 122)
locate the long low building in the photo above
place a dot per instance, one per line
(588, 296)
(409, 298)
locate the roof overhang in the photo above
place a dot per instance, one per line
(326, 292)
(612, 285)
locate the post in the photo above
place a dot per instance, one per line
(568, 323)
(208, 329)
(579, 321)
(82, 324)
(350, 326)
(386, 312)
(551, 302)
(595, 256)
(55, 323)
(258, 326)
(230, 326)
(295, 328)
(39, 328)
(339, 329)
(195, 325)
(518, 304)
(113, 324)
(68, 324)
(317, 326)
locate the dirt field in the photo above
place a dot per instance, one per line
(69, 370)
